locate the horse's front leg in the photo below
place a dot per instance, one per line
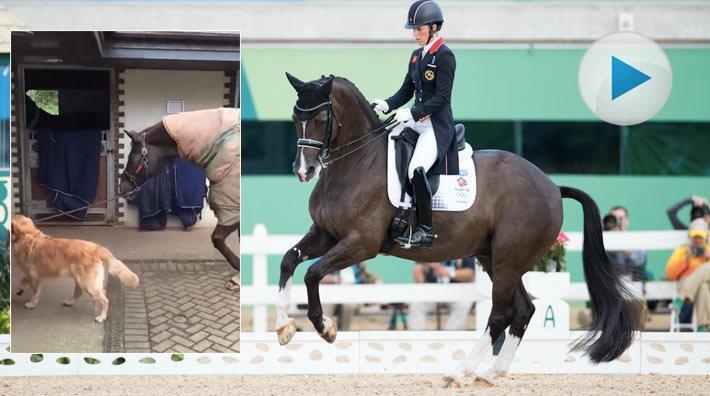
(219, 240)
(345, 253)
(314, 244)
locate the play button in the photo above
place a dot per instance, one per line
(625, 78)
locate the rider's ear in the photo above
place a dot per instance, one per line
(295, 83)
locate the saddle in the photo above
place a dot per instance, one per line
(404, 145)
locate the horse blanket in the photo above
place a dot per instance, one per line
(211, 138)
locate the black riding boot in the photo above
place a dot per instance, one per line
(422, 236)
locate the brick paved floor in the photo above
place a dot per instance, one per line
(180, 307)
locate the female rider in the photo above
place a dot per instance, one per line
(429, 78)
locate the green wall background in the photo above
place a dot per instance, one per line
(491, 84)
(281, 203)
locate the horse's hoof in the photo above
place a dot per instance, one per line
(331, 330)
(286, 331)
(451, 382)
(483, 382)
(232, 285)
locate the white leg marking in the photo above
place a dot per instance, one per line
(468, 366)
(283, 303)
(502, 364)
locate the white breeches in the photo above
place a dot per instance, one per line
(425, 152)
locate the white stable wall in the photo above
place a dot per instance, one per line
(146, 93)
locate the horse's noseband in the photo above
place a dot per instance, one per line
(322, 147)
(142, 166)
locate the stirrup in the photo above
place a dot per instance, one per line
(424, 237)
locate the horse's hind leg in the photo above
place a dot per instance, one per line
(345, 253)
(501, 316)
(314, 244)
(523, 310)
(219, 240)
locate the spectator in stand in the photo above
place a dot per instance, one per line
(690, 266)
(353, 275)
(632, 262)
(452, 271)
(699, 209)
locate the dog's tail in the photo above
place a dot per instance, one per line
(119, 270)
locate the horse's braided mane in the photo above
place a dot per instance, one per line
(362, 101)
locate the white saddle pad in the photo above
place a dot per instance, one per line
(455, 193)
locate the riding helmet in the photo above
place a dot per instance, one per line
(423, 12)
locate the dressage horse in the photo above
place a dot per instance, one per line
(512, 223)
(208, 138)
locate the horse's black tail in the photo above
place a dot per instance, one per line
(615, 313)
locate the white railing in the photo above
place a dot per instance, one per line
(374, 352)
(260, 295)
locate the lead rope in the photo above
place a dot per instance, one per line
(87, 206)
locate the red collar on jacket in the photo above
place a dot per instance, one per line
(432, 49)
(436, 45)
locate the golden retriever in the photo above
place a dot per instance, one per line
(40, 256)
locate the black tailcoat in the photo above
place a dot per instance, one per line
(430, 79)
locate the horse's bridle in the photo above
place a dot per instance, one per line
(142, 166)
(322, 147)
(324, 150)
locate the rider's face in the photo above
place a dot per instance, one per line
(421, 34)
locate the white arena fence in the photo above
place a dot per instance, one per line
(381, 352)
(543, 350)
(415, 352)
(260, 295)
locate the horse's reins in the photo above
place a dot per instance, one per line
(87, 206)
(375, 134)
(324, 147)
(130, 176)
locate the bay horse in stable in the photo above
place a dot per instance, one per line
(515, 218)
(208, 138)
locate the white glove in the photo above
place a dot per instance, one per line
(380, 106)
(403, 115)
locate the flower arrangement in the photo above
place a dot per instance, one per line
(554, 259)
